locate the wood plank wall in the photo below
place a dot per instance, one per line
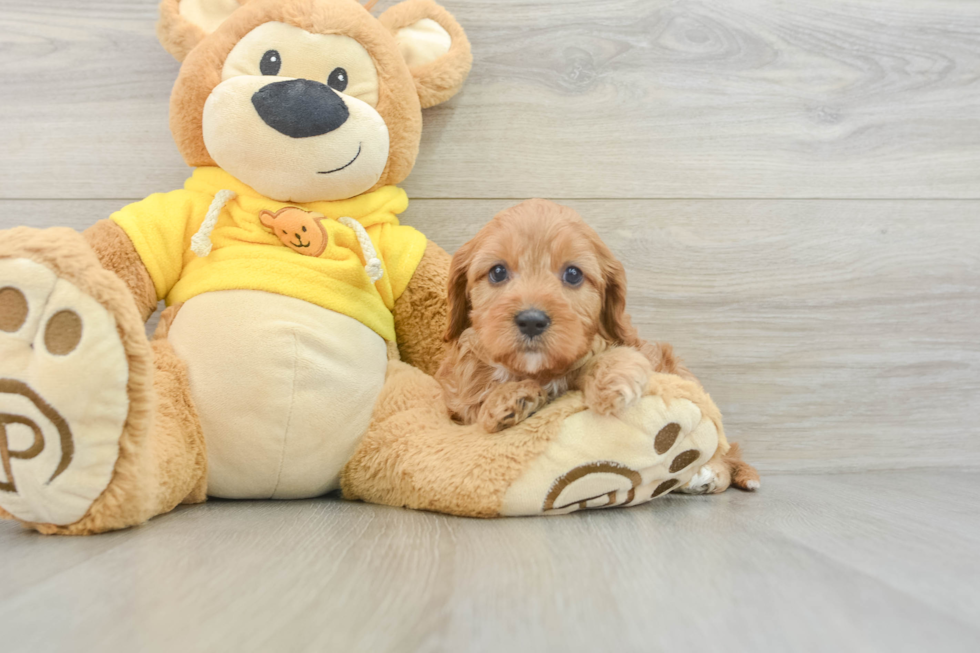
(793, 187)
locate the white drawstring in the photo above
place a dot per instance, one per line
(373, 263)
(201, 241)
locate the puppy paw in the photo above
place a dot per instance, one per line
(712, 478)
(511, 403)
(617, 381)
(722, 472)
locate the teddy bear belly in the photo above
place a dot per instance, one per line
(284, 390)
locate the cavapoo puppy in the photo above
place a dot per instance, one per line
(537, 307)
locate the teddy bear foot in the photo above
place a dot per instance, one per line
(63, 395)
(648, 450)
(97, 429)
(564, 458)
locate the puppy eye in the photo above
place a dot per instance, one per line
(304, 229)
(573, 276)
(498, 274)
(271, 63)
(338, 79)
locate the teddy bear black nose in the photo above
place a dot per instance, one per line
(300, 108)
(533, 322)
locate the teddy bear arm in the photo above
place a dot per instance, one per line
(422, 312)
(117, 254)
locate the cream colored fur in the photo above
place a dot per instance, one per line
(281, 422)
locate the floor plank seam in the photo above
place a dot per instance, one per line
(572, 199)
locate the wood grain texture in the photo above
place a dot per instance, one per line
(568, 98)
(892, 567)
(834, 335)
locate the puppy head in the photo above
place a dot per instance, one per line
(537, 284)
(307, 100)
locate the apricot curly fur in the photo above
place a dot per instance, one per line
(590, 343)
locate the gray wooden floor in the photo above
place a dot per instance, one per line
(883, 561)
(794, 188)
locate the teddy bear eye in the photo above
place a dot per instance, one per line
(304, 229)
(271, 63)
(338, 79)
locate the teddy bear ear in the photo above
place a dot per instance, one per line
(183, 23)
(433, 44)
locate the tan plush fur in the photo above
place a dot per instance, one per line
(177, 442)
(421, 313)
(439, 80)
(415, 456)
(398, 99)
(161, 449)
(167, 317)
(116, 253)
(178, 36)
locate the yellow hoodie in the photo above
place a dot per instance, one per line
(248, 255)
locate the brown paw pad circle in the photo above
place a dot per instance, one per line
(13, 309)
(63, 332)
(666, 486)
(666, 438)
(683, 460)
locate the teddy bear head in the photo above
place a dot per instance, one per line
(308, 100)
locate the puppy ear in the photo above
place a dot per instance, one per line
(615, 324)
(459, 302)
(184, 23)
(433, 45)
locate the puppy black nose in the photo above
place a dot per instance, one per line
(300, 108)
(532, 322)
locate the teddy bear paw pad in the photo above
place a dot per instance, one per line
(63, 395)
(599, 461)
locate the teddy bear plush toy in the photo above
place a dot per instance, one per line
(303, 319)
